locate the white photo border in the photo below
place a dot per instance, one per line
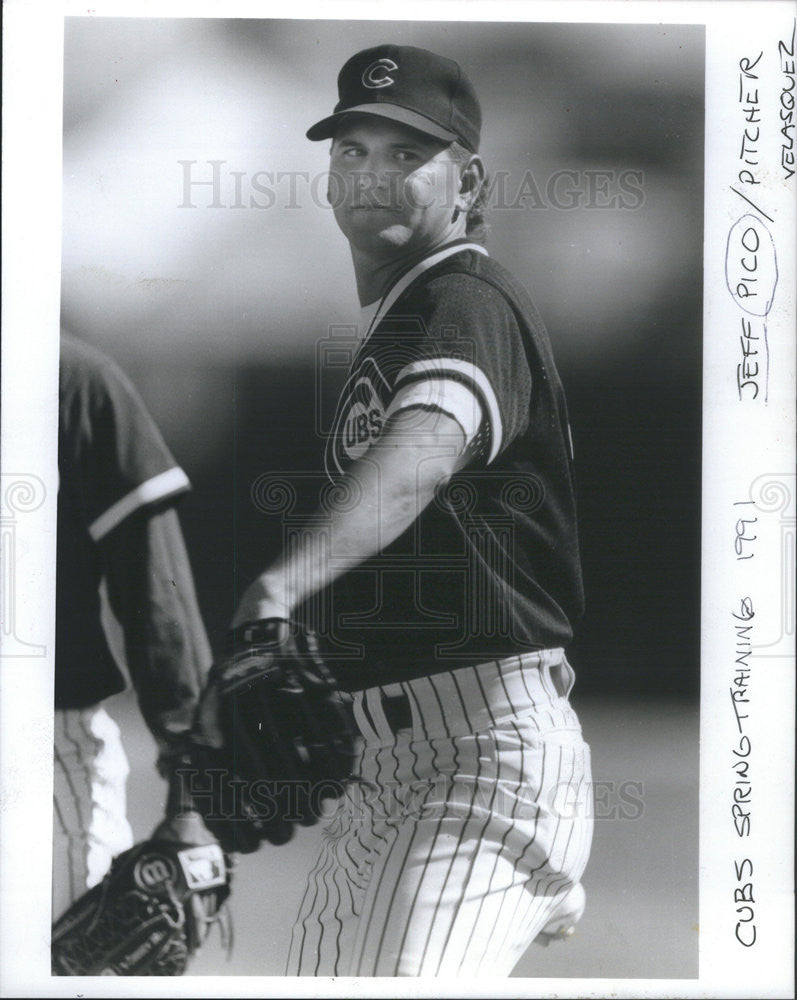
(746, 866)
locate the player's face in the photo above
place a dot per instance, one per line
(393, 189)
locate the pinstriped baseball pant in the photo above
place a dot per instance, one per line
(90, 822)
(462, 832)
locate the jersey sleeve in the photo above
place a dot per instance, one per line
(110, 449)
(151, 592)
(470, 363)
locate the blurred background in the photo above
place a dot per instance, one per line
(199, 252)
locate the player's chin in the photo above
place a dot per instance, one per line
(395, 235)
(375, 231)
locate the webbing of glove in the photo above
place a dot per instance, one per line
(281, 740)
(141, 919)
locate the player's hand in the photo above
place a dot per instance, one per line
(262, 599)
(184, 828)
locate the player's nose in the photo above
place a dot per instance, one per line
(380, 168)
(377, 180)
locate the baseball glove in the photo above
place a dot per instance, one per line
(273, 738)
(151, 912)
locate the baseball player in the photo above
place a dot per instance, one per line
(118, 531)
(445, 582)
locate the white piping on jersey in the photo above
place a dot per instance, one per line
(367, 314)
(164, 485)
(394, 291)
(439, 366)
(453, 398)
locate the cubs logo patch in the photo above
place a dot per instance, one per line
(378, 74)
(360, 417)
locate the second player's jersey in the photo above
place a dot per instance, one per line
(113, 463)
(491, 567)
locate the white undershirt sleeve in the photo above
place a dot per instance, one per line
(448, 395)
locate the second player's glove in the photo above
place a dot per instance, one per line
(153, 909)
(273, 738)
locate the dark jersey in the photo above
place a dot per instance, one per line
(491, 567)
(112, 464)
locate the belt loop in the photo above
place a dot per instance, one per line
(549, 677)
(415, 711)
(567, 676)
(374, 704)
(361, 718)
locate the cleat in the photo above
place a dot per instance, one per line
(563, 920)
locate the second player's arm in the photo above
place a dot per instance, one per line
(393, 482)
(151, 591)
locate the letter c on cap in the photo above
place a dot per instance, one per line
(376, 75)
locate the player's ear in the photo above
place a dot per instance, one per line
(471, 179)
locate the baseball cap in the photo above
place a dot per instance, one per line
(411, 86)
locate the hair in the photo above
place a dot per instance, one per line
(477, 226)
